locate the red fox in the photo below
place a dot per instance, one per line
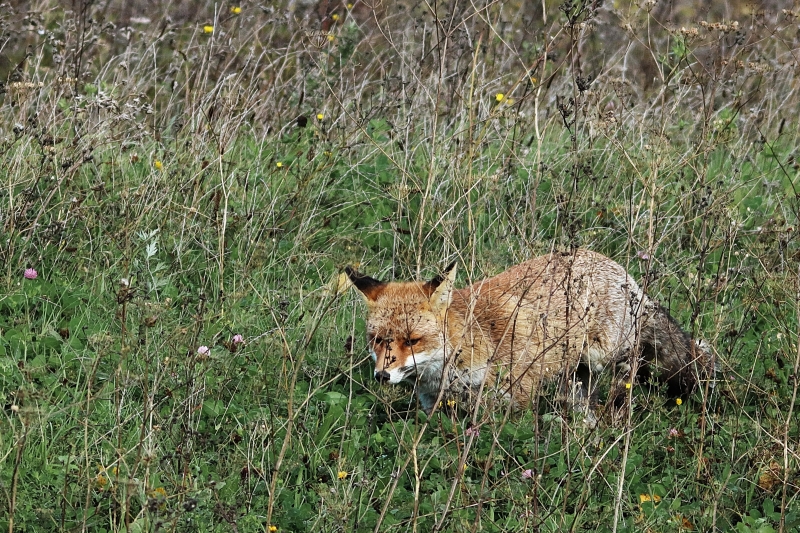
(570, 314)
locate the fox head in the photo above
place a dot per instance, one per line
(405, 323)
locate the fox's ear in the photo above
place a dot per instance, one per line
(441, 287)
(369, 287)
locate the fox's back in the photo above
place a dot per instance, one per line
(550, 280)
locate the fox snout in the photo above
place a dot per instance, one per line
(388, 361)
(397, 361)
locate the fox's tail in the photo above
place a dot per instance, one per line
(674, 356)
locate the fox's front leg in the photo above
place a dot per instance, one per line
(427, 402)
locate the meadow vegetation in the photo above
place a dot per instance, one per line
(182, 182)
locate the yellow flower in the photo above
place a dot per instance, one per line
(273, 529)
(236, 10)
(499, 97)
(627, 385)
(678, 401)
(158, 164)
(342, 474)
(279, 164)
(208, 28)
(330, 37)
(451, 403)
(320, 116)
(655, 498)
(158, 492)
(327, 153)
(101, 480)
(349, 6)
(533, 80)
(335, 17)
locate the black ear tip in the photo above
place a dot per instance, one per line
(369, 286)
(438, 279)
(354, 274)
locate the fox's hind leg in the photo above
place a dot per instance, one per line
(620, 399)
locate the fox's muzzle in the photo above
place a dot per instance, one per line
(382, 376)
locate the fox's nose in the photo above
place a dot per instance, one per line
(382, 376)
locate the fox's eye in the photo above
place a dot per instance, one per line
(412, 342)
(377, 340)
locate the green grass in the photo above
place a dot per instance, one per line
(174, 188)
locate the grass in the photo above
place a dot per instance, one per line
(174, 187)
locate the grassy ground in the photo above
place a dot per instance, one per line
(188, 179)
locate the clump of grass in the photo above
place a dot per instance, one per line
(182, 359)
